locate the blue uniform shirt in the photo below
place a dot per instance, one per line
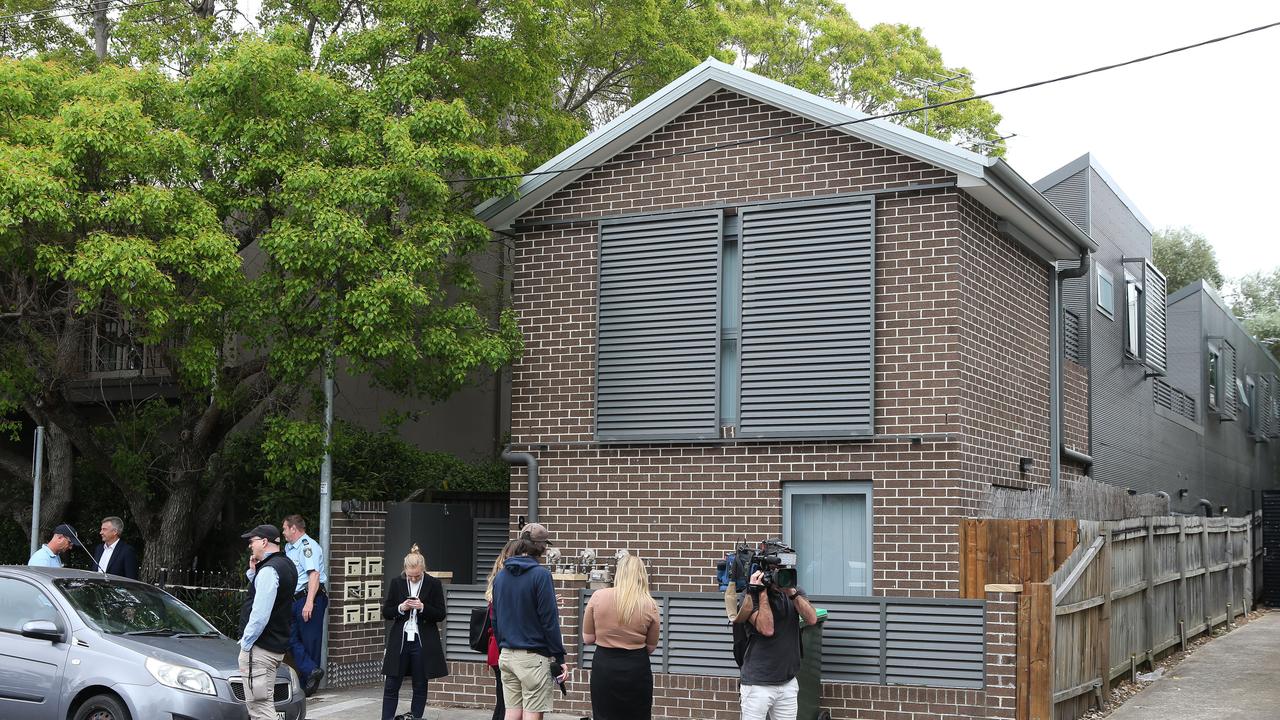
(307, 557)
(44, 557)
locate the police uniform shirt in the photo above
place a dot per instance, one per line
(307, 557)
(44, 557)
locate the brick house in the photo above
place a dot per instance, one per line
(839, 334)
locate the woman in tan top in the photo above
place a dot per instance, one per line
(623, 623)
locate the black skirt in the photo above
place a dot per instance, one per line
(621, 685)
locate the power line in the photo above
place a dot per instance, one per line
(883, 116)
(9, 21)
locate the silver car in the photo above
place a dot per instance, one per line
(86, 646)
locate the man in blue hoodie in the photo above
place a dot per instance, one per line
(526, 623)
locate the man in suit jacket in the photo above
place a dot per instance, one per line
(114, 556)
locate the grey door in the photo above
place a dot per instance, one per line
(30, 670)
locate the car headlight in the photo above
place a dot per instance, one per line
(181, 677)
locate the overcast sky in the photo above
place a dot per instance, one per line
(1191, 138)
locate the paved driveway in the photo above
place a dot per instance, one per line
(365, 703)
(1235, 677)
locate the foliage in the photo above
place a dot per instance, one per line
(1257, 303)
(117, 193)
(366, 466)
(1185, 256)
(817, 46)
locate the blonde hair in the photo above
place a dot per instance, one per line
(415, 559)
(507, 551)
(631, 587)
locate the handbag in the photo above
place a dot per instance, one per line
(480, 630)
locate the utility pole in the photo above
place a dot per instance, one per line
(37, 472)
(326, 500)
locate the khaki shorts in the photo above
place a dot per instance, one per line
(526, 680)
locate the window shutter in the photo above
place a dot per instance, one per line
(657, 356)
(808, 307)
(1156, 351)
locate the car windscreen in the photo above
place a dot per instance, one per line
(130, 607)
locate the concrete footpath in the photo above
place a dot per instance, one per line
(365, 703)
(1231, 678)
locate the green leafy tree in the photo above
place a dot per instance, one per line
(130, 197)
(817, 46)
(1256, 301)
(1185, 256)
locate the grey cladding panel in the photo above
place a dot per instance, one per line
(1071, 196)
(658, 343)
(808, 297)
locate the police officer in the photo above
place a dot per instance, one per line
(310, 602)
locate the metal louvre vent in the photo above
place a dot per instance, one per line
(1173, 399)
(877, 640)
(460, 599)
(808, 305)
(490, 535)
(1156, 352)
(1272, 407)
(1071, 335)
(657, 361)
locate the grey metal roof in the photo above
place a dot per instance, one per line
(1044, 229)
(1088, 160)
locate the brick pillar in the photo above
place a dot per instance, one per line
(356, 639)
(1002, 655)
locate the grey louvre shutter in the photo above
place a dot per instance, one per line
(1153, 291)
(808, 306)
(657, 359)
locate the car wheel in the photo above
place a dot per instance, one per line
(102, 707)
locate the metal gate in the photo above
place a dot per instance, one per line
(1271, 547)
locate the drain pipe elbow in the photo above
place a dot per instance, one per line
(1208, 507)
(531, 465)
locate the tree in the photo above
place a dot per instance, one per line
(1185, 256)
(816, 46)
(1256, 301)
(129, 196)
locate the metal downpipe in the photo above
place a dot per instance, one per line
(531, 464)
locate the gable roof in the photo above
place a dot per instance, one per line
(1088, 160)
(991, 181)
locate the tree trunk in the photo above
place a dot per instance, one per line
(170, 537)
(100, 29)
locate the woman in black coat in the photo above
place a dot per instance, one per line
(414, 603)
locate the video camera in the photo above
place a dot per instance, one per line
(772, 557)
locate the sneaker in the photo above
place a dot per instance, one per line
(313, 682)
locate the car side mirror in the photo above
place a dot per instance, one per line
(42, 630)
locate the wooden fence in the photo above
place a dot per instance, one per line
(1131, 590)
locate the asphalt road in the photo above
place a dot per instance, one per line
(1231, 678)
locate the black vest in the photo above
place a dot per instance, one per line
(275, 636)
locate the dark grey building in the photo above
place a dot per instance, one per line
(1148, 360)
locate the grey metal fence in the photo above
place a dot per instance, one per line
(878, 640)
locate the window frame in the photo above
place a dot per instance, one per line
(1135, 331)
(60, 617)
(864, 488)
(1108, 309)
(1213, 377)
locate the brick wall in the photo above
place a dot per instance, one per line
(961, 359)
(1075, 413)
(355, 648)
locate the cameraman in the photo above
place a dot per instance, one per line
(772, 659)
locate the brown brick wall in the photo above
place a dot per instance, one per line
(355, 649)
(961, 357)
